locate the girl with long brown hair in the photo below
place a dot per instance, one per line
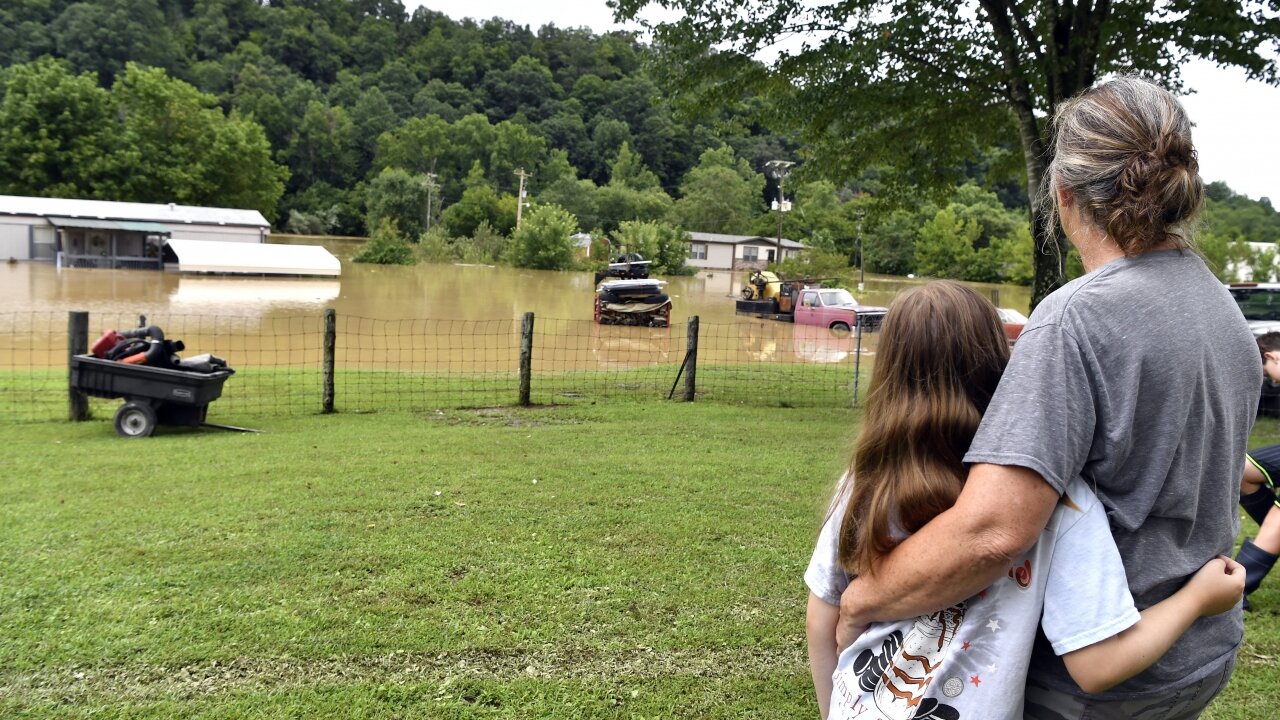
(940, 357)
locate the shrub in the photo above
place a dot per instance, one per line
(543, 241)
(434, 246)
(386, 247)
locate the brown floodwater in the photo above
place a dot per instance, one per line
(275, 318)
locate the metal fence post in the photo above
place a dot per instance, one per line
(691, 365)
(330, 343)
(526, 356)
(857, 359)
(77, 344)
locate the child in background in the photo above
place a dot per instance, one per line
(940, 357)
(1258, 489)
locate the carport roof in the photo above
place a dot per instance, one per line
(104, 224)
(171, 214)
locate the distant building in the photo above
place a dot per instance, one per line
(100, 233)
(581, 245)
(716, 251)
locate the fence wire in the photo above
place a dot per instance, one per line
(424, 364)
(428, 364)
(577, 360)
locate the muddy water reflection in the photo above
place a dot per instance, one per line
(276, 321)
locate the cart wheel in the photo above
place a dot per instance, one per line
(135, 420)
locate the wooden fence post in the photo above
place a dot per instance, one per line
(691, 366)
(77, 344)
(330, 343)
(526, 357)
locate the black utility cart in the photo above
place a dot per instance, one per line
(152, 395)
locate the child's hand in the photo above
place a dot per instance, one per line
(1218, 585)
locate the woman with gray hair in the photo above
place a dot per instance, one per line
(1141, 377)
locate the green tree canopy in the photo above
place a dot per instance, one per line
(150, 139)
(920, 86)
(720, 195)
(397, 195)
(57, 132)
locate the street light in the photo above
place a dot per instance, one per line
(778, 170)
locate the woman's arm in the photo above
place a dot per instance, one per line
(1214, 589)
(820, 627)
(999, 514)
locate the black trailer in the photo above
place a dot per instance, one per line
(152, 395)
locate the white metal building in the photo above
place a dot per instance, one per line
(100, 233)
(716, 251)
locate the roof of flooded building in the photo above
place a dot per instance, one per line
(211, 256)
(740, 239)
(147, 212)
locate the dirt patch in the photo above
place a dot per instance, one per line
(532, 416)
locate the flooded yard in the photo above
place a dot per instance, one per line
(275, 318)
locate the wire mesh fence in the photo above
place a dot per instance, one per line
(423, 364)
(302, 364)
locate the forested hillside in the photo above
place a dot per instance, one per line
(333, 116)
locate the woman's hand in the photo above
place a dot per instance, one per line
(1218, 586)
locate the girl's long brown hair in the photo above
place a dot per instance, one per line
(939, 359)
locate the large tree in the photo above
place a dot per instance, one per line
(920, 85)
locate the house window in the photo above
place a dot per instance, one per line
(697, 251)
(750, 252)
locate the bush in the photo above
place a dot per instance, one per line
(484, 246)
(386, 247)
(434, 246)
(543, 241)
(665, 245)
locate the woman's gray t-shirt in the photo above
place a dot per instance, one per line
(1141, 377)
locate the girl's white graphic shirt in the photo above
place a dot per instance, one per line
(970, 660)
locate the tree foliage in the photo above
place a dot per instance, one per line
(920, 86)
(543, 241)
(721, 194)
(297, 108)
(386, 246)
(149, 139)
(661, 243)
(399, 196)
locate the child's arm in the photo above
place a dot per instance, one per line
(1214, 589)
(820, 627)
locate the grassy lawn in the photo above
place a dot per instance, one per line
(628, 560)
(37, 395)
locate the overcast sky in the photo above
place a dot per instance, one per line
(1233, 134)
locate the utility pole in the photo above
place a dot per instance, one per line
(778, 170)
(431, 185)
(862, 259)
(520, 203)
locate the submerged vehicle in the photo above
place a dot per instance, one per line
(633, 299)
(633, 302)
(803, 302)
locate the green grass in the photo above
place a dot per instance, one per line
(652, 570)
(41, 394)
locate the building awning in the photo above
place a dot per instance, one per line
(92, 223)
(251, 258)
(147, 227)
(102, 224)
